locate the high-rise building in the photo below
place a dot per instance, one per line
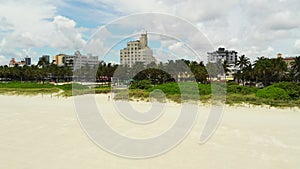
(221, 54)
(27, 61)
(137, 51)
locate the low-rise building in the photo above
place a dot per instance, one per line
(13, 63)
(76, 61)
(59, 59)
(289, 61)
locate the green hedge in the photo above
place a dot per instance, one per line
(237, 89)
(272, 92)
(293, 89)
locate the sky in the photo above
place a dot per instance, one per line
(47, 27)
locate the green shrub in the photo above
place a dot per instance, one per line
(275, 93)
(167, 88)
(204, 89)
(143, 84)
(293, 89)
(237, 89)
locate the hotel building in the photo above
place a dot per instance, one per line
(222, 54)
(137, 51)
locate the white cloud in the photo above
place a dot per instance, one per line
(64, 34)
(297, 46)
(3, 60)
(34, 24)
(5, 25)
(249, 26)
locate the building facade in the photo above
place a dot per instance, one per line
(137, 51)
(221, 54)
(13, 62)
(59, 59)
(289, 61)
(46, 58)
(27, 61)
(80, 60)
(76, 61)
(230, 56)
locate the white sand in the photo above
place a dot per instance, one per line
(43, 132)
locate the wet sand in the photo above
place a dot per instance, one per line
(43, 132)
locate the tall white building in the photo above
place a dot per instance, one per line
(137, 51)
(221, 54)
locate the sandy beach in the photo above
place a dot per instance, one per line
(41, 132)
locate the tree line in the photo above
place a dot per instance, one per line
(263, 70)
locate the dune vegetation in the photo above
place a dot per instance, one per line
(282, 94)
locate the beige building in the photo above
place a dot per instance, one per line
(288, 60)
(137, 51)
(59, 59)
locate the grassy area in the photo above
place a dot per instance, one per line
(25, 85)
(33, 88)
(102, 89)
(285, 94)
(28, 88)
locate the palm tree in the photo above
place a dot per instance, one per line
(263, 71)
(43, 62)
(242, 62)
(296, 69)
(199, 71)
(249, 74)
(226, 67)
(279, 68)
